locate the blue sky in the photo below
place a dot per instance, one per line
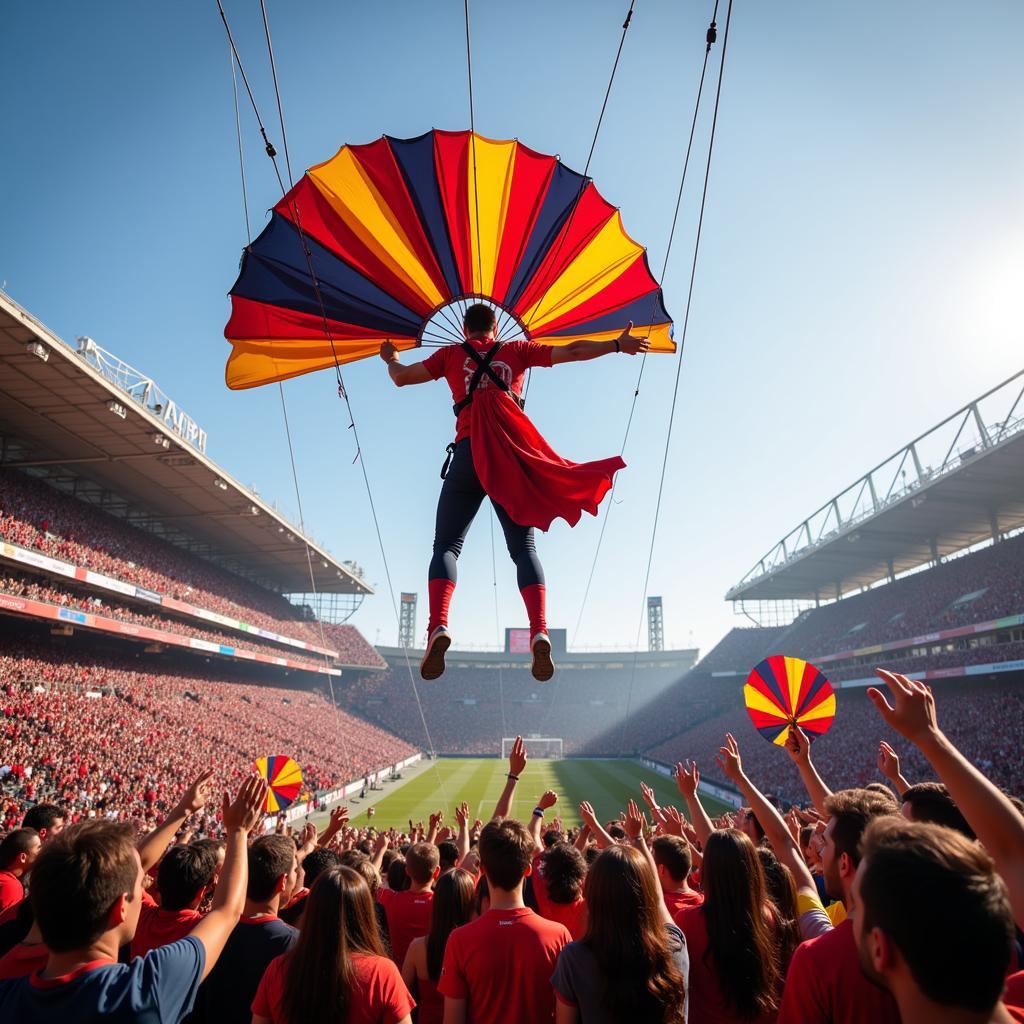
(860, 275)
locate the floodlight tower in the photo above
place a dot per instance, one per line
(655, 625)
(407, 621)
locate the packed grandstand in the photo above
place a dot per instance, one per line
(134, 660)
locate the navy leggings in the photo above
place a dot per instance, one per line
(460, 500)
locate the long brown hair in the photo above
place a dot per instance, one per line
(781, 888)
(453, 905)
(626, 934)
(339, 922)
(741, 945)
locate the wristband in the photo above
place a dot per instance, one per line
(514, 778)
(539, 811)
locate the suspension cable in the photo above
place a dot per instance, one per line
(342, 391)
(709, 39)
(284, 409)
(679, 363)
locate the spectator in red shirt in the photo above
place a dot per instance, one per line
(18, 852)
(497, 969)
(913, 880)
(47, 819)
(338, 972)
(558, 877)
(184, 875)
(408, 911)
(825, 984)
(86, 895)
(674, 863)
(735, 973)
(453, 906)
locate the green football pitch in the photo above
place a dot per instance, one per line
(431, 786)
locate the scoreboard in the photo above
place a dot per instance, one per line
(517, 641)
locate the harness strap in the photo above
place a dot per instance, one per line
(483, 366)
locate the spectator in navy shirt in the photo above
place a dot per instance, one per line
(258, 937)
(86, 896)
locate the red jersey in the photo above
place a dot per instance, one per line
(1013, 997)
(677, 902)
(706, 994)
(430, 1008)
(12, 892)
(510, 364)
(501, 964)
(408, 918)
(379, 995)
(159, 927)
(24, 959)
(572, 915)
(825, 984)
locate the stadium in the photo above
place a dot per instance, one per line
(253, 776)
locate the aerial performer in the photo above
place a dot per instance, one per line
(498, 453)
(401, 243)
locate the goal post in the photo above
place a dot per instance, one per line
(540, 748)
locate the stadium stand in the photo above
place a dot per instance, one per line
(110, 735)
(472, 707)
(22, 586)
(35, 516)
(977, 587)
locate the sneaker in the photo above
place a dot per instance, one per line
(543, 667)
(432, 665)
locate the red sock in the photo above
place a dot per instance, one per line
(440, 591)
(535, 599)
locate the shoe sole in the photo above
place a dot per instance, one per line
(432, 666)
(543, 667)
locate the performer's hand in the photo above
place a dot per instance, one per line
(388, 351)
(630, 343)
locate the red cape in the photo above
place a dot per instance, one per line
(521, 472)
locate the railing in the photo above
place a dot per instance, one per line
(936, 453)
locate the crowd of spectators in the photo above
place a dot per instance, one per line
(38, 590)
(352, 647)
(34, 515)
(110, 736)
(471, 709)
(926, 602)
(984, 719)
(872, 904)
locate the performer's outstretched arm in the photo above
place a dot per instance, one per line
(577, 351)
(402, 375)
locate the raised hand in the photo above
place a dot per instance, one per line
(388, 351)
(633, 821)
(517, 757)
(687, 779)
(648, 794)
(913, 716)
(630, 343)
(339, 818)
(547, 799)
(462, 814)
(798, 746)
(674, 822)
(382, 842)
(196, 796)
(888, 762)
(587, 815)
(729, 759)
(244, 812)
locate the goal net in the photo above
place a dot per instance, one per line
(537, 747)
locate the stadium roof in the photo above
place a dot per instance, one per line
(85, 420)
(958, 484)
